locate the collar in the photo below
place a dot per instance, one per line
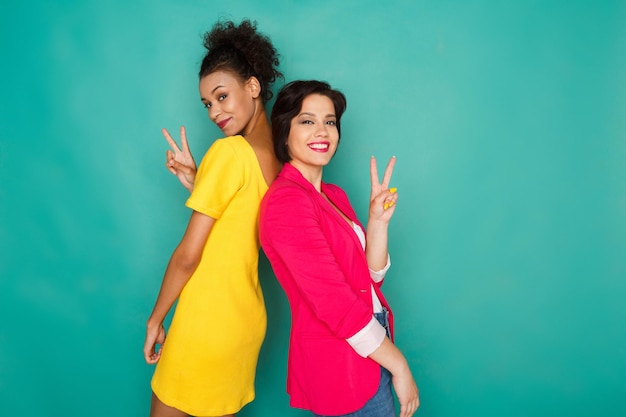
(291, 173)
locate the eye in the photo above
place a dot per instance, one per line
(207, 105)
(307, 122)
(222, 97)
(331, 123)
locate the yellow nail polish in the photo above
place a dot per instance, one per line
(393, 190)
(386, 206)
(391, 204)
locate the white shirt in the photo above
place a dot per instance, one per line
(370, 337)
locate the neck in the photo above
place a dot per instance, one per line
(311, 174)
(258, 129)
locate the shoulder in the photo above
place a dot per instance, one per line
(286, 198)
(224, 152)
(286, 190)
(231, 144)
(223, 163)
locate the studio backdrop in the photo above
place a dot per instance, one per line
(508, 245)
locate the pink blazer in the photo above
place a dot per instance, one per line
(319, 262)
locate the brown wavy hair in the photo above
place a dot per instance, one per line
(289, 104)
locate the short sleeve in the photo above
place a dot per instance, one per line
(220, 176)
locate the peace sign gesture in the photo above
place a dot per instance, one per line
(382, 198)
(180, 161)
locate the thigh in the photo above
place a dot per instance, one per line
(381, 404)
(158, 409)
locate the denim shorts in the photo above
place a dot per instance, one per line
(381, 404)
(383, 319)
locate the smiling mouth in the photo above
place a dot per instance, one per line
(223, 123)
(319, 146)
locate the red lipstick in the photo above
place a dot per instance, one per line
(223, 123)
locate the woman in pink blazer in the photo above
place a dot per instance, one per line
(341, 357)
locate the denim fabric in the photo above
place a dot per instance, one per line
(381, 404)
(383, 319)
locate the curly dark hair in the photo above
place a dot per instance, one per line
(289, 104)
(243, 50)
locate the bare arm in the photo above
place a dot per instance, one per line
(382, 206)
(181, 266)
(389, 356)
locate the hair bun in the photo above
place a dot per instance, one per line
(241, 48)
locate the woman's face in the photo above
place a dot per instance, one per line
(313, 136)
(229, 101)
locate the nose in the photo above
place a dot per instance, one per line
(322, 129)
(214, 112)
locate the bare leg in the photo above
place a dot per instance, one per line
(226, 415)
(158, 409)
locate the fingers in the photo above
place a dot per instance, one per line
(391, 198)
(388, 172)
(373, 172)
(176, 167)
(169, 159)
(386, 176)
(404, 410)
(410, 406)
(407, 410)
(149, 354)
(183, 139)
(153, 357)
(171, 141)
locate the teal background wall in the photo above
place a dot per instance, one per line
(508, 245)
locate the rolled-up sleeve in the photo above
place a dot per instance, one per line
(368, 339)
(378, 276)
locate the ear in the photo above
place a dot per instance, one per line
(254, 86)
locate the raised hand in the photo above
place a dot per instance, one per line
(180, 161)
(382, 198)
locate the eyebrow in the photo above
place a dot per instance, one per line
(202, 99)
(219, 86)
(313, 115)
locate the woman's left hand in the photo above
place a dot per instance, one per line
(382, 198)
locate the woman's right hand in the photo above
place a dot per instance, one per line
(180, 161)
(382, 198)
(155, 335)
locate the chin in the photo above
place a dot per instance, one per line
(230, 132)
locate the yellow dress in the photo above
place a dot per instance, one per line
(209, 358)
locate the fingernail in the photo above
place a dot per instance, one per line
(386, 206)
(393, 190)
(391, 204)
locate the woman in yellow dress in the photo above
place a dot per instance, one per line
(206, 366)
